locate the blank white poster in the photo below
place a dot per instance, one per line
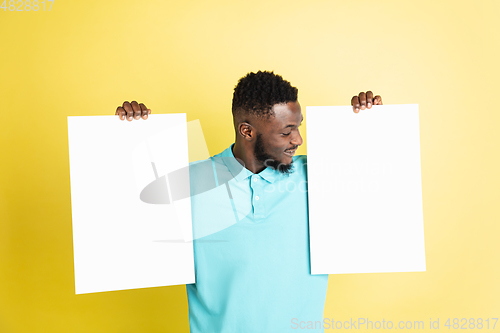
(130, 202)
(365, 190)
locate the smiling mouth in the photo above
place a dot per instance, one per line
(290, 152)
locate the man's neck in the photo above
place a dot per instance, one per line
(244, 154)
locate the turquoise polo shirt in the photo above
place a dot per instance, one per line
(251, 249)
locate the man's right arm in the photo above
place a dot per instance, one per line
(132, 110)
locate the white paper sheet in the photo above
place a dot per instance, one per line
(127, 233)
(365, 192)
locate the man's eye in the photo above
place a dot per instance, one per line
(285, 134)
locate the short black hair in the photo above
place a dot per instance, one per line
(256, 93)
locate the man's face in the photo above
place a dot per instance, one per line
(279, 137)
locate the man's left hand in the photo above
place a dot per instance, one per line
(364, 101)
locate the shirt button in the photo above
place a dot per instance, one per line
(256, 197)
(255, 179)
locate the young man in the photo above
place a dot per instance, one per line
(250, 218)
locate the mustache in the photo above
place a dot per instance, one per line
(292, 148)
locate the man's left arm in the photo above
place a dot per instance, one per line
(365, 101)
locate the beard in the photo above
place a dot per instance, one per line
(268, 160)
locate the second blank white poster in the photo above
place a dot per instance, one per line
(129, 231)
(364, 187)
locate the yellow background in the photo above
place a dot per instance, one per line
(87, 57)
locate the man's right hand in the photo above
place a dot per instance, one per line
(132, 110)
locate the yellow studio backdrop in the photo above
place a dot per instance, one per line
(87, 57)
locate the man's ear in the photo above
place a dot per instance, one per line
(247, 131)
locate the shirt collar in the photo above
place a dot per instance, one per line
(239, 172)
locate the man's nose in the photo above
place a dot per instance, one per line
(297, 139)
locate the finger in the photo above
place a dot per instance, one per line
(120, 112)
(377, 100)
(355, 104)
(144, 111)
(128, 110)
(369, 99)
(362, 100)
(137, 109)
